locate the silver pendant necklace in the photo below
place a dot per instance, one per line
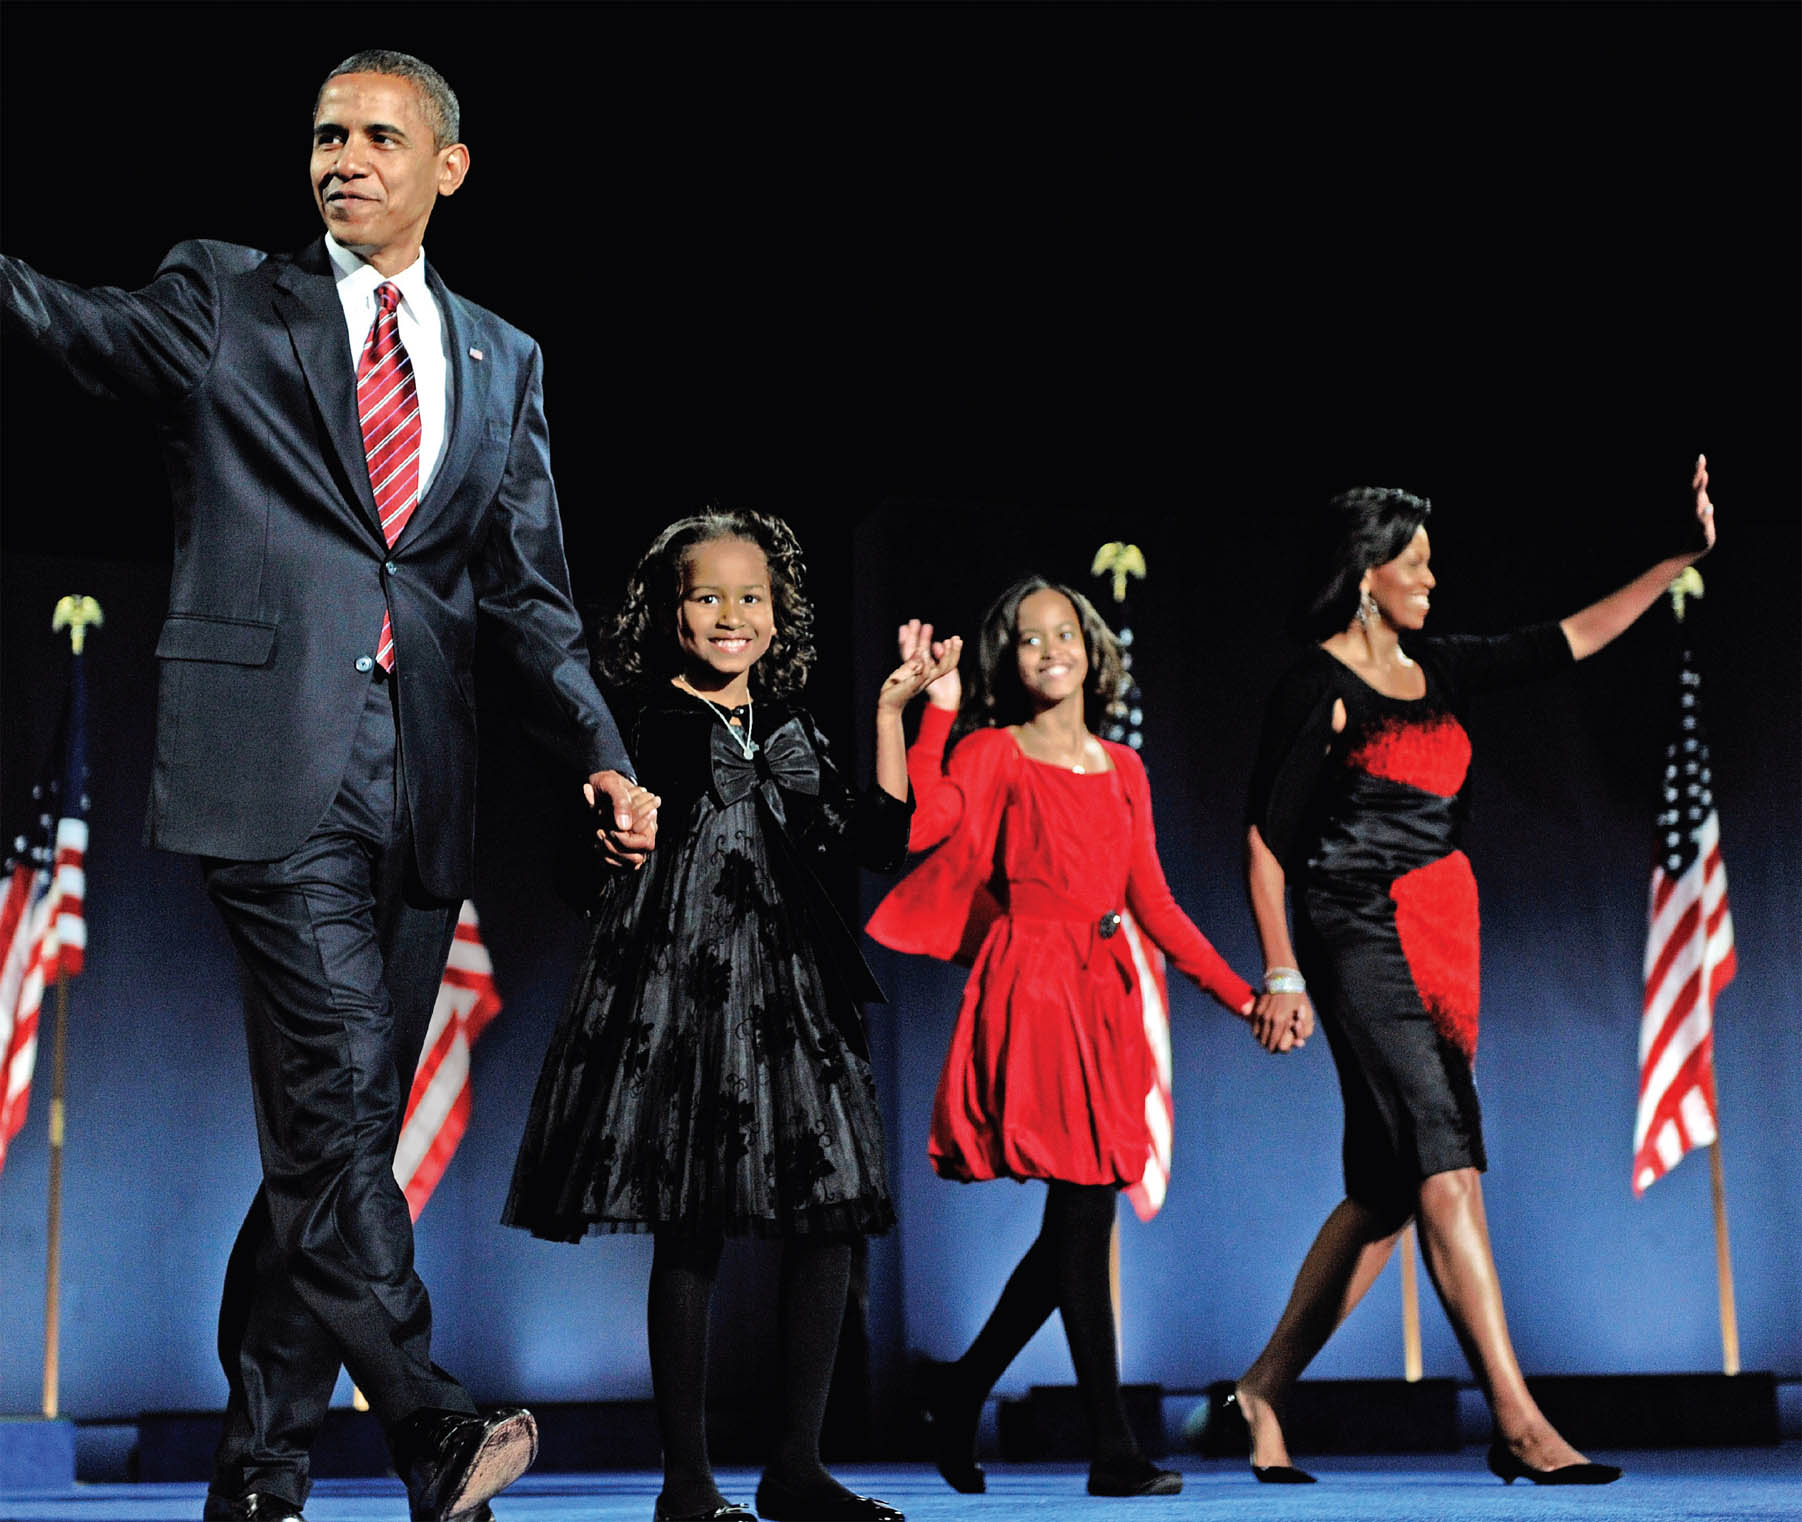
(743, 739)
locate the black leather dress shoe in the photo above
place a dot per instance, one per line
(257, 1506)
(453, 1463)
(777, 1503)
(1136, 1476)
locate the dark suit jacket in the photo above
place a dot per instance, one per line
(280, 565)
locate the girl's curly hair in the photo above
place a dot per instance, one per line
(640, 649)
(996, 697)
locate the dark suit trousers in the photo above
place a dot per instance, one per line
(341, 956)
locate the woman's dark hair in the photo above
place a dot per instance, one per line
(996, 696)
(1364, 527)
(640, 649)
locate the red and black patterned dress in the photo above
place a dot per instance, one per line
(1366, 823)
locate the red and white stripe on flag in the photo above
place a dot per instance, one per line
(1689, 960)
(1147, 1195)
(43, 933)
(438, 1107)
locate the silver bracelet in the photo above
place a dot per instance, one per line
(1284, 980)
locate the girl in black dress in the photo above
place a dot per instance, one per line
(710, 1075)
(1355, 809)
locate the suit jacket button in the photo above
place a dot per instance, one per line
(391, 568)
(365, 663)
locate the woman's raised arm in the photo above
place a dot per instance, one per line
(1601, 622)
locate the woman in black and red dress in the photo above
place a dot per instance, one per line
(1355, 812)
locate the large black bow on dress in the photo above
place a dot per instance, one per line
(784, 758)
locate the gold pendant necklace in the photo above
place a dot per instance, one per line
(1063, 764)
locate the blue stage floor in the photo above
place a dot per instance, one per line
(1747, 1485)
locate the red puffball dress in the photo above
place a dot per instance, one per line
(1031, 867)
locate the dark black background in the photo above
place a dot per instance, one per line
(1163, 273)
(1201, 263)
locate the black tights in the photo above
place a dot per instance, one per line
(1066, 1270)
(816, 1271)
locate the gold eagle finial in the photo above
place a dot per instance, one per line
(1120, 560)
(77, 614)
(1686, 586)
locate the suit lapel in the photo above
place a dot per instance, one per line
(467, 368)
(306, 296)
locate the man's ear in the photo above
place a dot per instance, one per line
(453, 165)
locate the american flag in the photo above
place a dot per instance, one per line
(1147, 1195)
(1689, 955)
(438, 1107)
(42, 932)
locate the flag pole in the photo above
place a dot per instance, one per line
(1687, 585)
(76, 614)
(1411, 1367)
(1723, 1256)
(1119, 561)
(53, 1249)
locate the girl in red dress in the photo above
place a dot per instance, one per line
(1041, 837)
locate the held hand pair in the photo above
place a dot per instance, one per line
(926, 666)
(1282, 1018)
(944, 689)
(628, 838)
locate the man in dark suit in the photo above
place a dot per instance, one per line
(360, 473)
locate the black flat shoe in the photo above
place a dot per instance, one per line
(953, 1432)
(257, 1506)
(1136, 1476)
(777, 1503)
(1281, 1474)
(1508, 1468)
(454, 1463)
(728, 1511)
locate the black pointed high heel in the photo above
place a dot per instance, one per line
(1229, 1433)
(1507, 1467)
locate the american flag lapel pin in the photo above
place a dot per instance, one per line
(475, 354)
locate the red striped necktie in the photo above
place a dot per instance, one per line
(388, 408)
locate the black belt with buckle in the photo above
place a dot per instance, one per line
(1107, 925)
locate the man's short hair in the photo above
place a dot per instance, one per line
(440, 100)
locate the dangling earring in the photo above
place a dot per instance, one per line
(1368, 611)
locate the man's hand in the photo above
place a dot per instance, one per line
(627, 837)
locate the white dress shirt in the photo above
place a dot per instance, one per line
(421, 330)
